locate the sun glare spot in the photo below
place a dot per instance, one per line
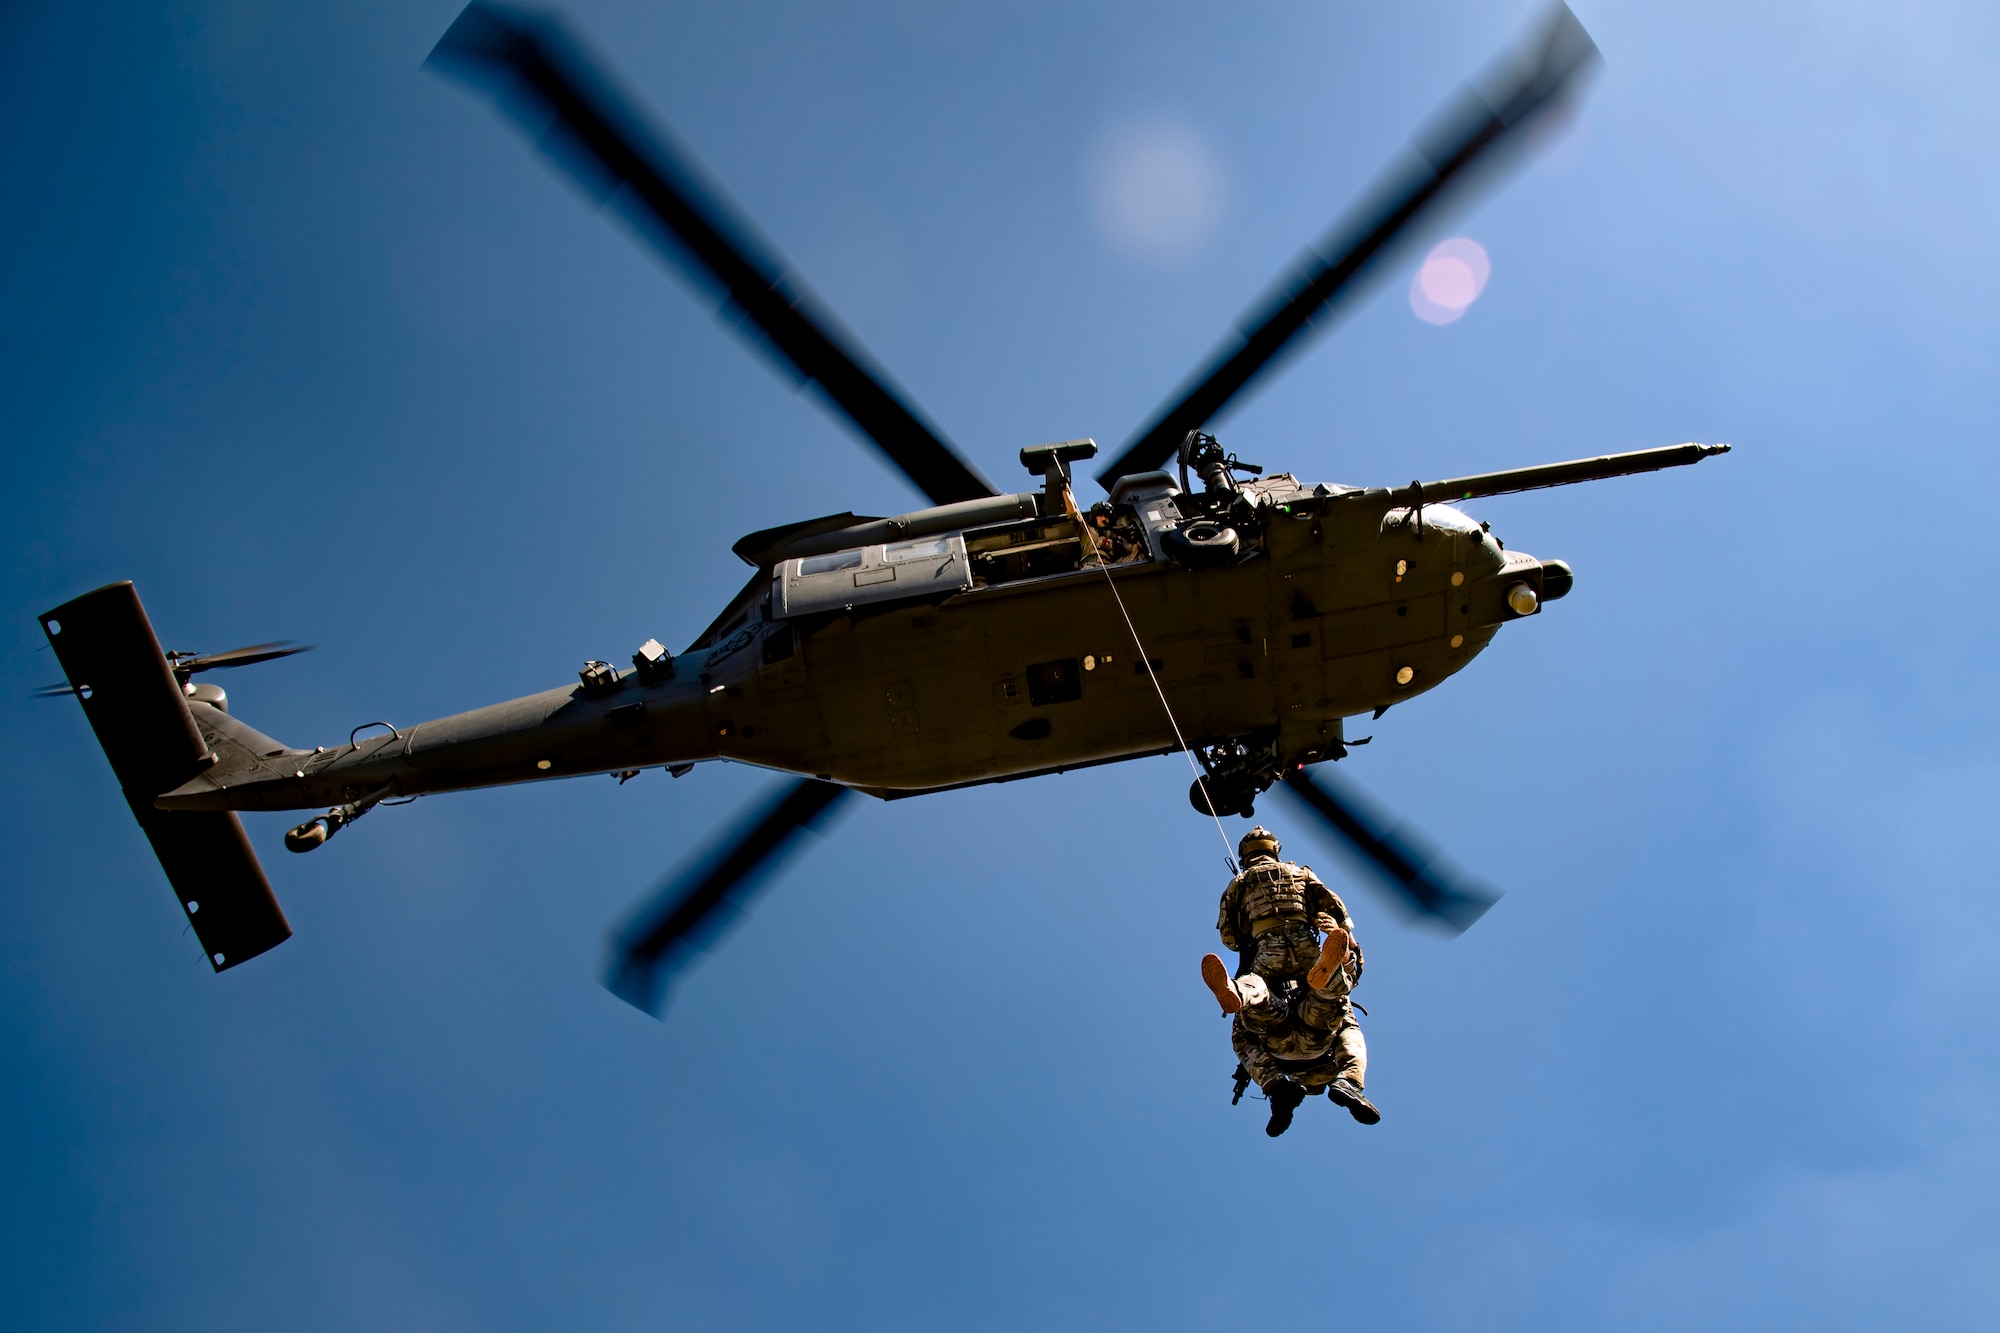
(1453, 275)
(1157, 191)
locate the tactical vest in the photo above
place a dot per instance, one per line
(1271, 889)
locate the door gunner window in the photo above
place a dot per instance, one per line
(923, 550)
(932, 568)
(1055, 682)
(827, 564)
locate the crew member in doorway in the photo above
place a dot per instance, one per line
(1116, 537)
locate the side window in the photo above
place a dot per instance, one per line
(931, 568)
(1057, 682)
(778, 644)
(930, 549)
(827, 564)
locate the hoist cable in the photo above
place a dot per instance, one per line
(1089, 539)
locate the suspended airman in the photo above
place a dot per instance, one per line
(1294, 1028)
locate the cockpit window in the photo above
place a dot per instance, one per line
(920, 550)
(827, 564)
(1449, 519)
(1443, 518)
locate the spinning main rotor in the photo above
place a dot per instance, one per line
(541, 76)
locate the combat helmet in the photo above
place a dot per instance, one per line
(1259, 841)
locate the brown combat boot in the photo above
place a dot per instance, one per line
(1345, 1092)
(1216, 977)
(1334, 951)
(1285, 1098)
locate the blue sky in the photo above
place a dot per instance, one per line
(307, 342)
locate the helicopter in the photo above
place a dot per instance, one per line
(1203, 607)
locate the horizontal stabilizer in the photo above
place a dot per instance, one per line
(114, 664)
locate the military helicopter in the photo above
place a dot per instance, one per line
(1211, 609)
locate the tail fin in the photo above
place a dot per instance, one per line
(114, 663)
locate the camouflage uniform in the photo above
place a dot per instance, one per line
(1311, 1057)
(1116, 535)
(1268, 916)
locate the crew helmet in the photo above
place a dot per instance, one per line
(1259, 841)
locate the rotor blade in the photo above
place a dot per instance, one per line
(56, 691)
(1465, 135)
(698, 901)
(540, 75)
(238, 657)
(1417, 879)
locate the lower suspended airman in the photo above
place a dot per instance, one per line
(1294, 1029)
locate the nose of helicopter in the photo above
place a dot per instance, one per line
(1531, 583)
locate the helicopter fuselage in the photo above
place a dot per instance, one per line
(1339, 602)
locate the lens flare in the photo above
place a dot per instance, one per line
(1157, 190)
(1453, 275)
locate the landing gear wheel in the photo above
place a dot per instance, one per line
(1228, 797)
